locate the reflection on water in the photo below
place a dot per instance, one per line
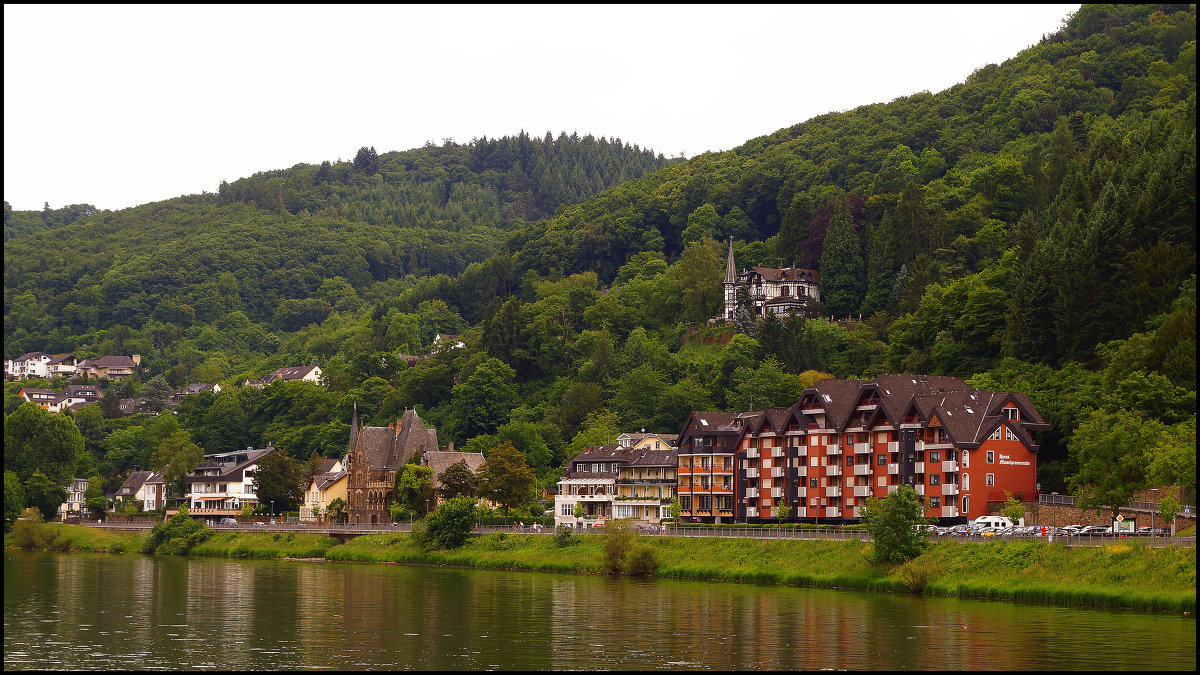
(127, 611)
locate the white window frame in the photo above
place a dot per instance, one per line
(991, 480)
(991, 458)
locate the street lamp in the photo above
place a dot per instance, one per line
(272, 509)
(1154, 513)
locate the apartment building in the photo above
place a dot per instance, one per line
(844, 441)
(704, 470)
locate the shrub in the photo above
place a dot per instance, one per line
(563, 538)
(30, 532)
(451, 523)
(181, 526)
(116, 547)
(619, 538)
(917, 575)
(892, 523)
(175, 546)
(642, 559)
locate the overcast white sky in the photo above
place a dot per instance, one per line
(122, 105)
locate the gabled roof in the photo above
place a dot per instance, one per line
(707, 421)
(392, 446)
(133, 483)
(60, 358)
(668, 457)
(110, 362)
(32, 355)
(81, 391)
(328, 479)
(440, 460)
(838, 397)
(782, 274)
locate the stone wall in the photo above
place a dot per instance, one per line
(1058, 516)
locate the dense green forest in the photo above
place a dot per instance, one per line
(1030, 229)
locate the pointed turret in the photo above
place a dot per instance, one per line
(353, 427)
(730, 271)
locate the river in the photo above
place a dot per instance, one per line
(108, 612)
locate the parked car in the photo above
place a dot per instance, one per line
(1150, 531)
(260, 524)
(1092, 530)
(229, 521)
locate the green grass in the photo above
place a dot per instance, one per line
(60, 537)
(264, 545)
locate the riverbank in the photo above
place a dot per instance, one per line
(1119, 575)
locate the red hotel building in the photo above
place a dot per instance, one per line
(847, 440)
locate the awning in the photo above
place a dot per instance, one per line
(587, 481)
(211, 497)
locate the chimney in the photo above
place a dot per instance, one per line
(450, 446)
(137, 360)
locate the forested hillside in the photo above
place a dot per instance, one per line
(1030, 229)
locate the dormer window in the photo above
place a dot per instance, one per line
(1012, 413)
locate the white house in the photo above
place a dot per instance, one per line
(224, 482)
(288, 374)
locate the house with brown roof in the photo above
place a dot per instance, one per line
(194, 388)
(41, 396)
(134, 486)
(777, 290)
(440, 460)
(375, 455)
(33, 364)
(628, 480)
(108, 367)
(845, 441)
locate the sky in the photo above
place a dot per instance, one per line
(118, 105)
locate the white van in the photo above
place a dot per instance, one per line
(992, 521)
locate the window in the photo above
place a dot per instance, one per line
(991, 480)
(995, 435)
(966, 463)
(705, 503)
(849, 460)
(812, 440)
(935, 479)
(966, 481)
(881, 460)
(881, 437)
(812, 482)
(991, 458)
(935, 456)
(1009, 435)
(813, 460)
(1012, 413)
(935, 502)
(567, 510)
(966, 505)
(881, 481)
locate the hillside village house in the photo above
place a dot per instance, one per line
(847, 440)
(194, 388)
(288, 374)
(223, 483)
(109, 367)
(33, 364)
(778, 290)
(154, 491)
(329, 483)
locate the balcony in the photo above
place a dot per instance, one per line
(949, 511)
(833, 470)
(910, 423)
(892, 488)
(939, 444)
(801, 492)
(920, 488)
(752, 453)
(893, 446)
(777, 472)
(801, 450)
(751, 492)
(833, 449)
(751, 513)
(868, 405)
(862, 448)
(919, 467)
(794, 430)
(776, 492)
(833, 491)
(949, 466)
(813, 410)
(862, 469)
(801, 471)
(777, 452)
(949, 489)
(862, 490)
(894, 469)
(832, 512)
(594, 498)
(752, 473)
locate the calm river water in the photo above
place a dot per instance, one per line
(96, 611)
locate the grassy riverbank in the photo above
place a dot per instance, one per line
(1118, 575)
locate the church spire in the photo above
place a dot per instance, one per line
(730, 272)
(353, 428)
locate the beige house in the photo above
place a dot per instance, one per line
(330, 483)
(109, 367)
(439, 461)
